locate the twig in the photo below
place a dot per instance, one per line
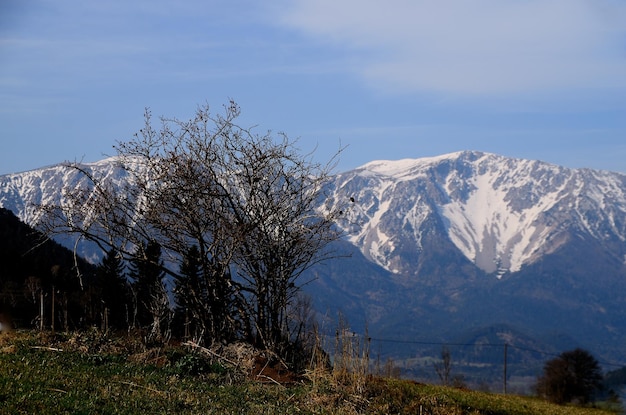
(52, 349)
(267, 362)
(270, 379)
(210, 352)
(143, 387)
(57, 390)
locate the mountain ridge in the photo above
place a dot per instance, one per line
(500, 212)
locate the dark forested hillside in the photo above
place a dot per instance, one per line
(32, 269)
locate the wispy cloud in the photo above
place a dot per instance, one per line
(478, 47)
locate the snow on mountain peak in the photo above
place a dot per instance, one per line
(501, 213)
(404, 167)
(23, 192)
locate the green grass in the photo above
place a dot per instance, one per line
(40, 375)
(438, 399)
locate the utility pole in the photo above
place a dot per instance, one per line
(506, 346)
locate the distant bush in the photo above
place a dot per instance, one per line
(573, 376)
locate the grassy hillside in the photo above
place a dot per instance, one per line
(90, 373)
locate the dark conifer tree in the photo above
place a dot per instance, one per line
(204, 299)
(113, 290)
(189, 294)
(151, 302)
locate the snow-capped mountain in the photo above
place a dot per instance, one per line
(21, 193)
(453, 243)
(501, 213)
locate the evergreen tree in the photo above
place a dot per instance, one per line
(188, 293)
(203, 299)
(114, 291)
(151, 302)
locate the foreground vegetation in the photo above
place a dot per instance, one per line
(89, 372)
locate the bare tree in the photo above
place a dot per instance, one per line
(249, 203)
(278, 195)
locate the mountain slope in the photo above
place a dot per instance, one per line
(474, 240)
(500, 213)
(23, 192)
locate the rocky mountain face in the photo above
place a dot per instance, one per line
(450, 245)
(23, 192)
(502, 214)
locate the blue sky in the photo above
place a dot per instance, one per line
(539, 79)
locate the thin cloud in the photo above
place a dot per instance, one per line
(478, 47)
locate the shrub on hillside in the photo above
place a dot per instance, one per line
(573, 376)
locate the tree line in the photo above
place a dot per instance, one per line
(44, 285)
(38, 275)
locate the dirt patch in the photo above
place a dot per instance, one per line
(271, 371)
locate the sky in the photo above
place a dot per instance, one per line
(535, 79)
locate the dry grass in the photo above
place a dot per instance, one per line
(52, 374)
